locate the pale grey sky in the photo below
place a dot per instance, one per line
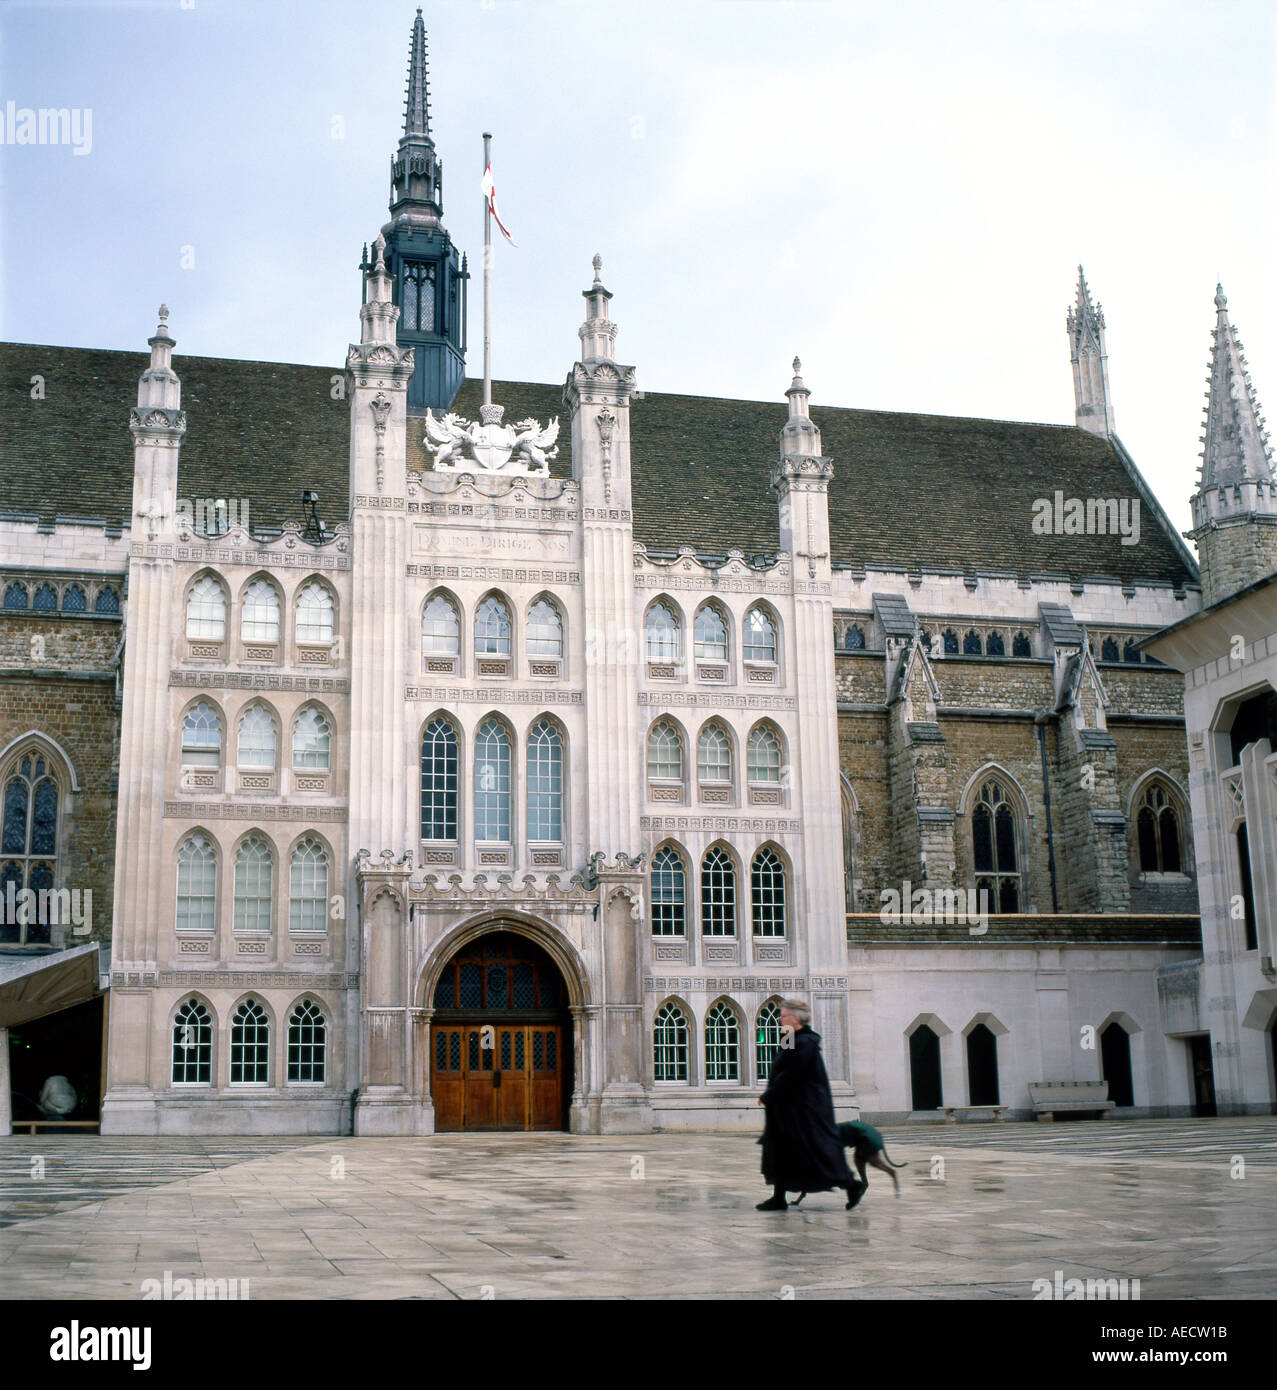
(899, 193)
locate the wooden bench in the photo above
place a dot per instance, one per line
(1048, 1097)
(951, 1112)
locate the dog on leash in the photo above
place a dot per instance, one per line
(869, 1149)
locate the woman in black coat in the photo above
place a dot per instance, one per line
(801, 1148)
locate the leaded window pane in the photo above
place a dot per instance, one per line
(1108, 650)
(257, 739)
(767, 1038)
(525, 992)
(259, 617)
(439, 781)
(16, 799)
(1021, 646)
(440, 627)
(669, 1044)
(767, 889)
(763, 756)
(854, 641)
(250, 1045)
(664, 753)
(470, 980)
(718, 894)
(714, 755)
(994, 851)
(760, 636)
(205, 610)
(108, 601)
(722, 1044)
(202, 736)
(545, 630)
(196, 885)
(308, 887)
(545, 783)
(662, 634)
(995, 645)
(74, 600)
(45, 600)
(950, 643)
(971, 644)
(312, 741)
(307, 1043)
(192, 1045)
(492, 782)
(15, 597)
(254, 882)
(492, 628)
(315, 619)
(669, 894)
(710, 635)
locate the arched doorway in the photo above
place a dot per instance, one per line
(500, 1038)
(982, 1065)
(924, 1068)
(1115, 1061)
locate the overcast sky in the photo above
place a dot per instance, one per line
(898, 192)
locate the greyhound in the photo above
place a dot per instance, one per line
(868, 1148)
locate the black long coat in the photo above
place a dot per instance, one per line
(801, 1148)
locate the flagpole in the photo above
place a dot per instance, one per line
(487, 277)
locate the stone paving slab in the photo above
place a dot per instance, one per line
(646, 1216)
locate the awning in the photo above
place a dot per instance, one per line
(32, 986)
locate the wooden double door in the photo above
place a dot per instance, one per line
(501, 1076)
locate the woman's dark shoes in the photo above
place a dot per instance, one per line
(854, 1194)
(773, 1204)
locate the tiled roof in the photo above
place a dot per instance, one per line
(908, 490)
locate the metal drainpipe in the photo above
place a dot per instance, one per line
(1041, 719)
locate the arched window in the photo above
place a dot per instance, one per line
(205, 610)
(854, 638)
(314, 613)
(308, 887)
(45, 600)
(15, 597)
(995, 646)
(669, 893)
(767, 894)
(950, 642)
(28, 845)
(196, 885)
(718, 894)
(664, 753)
(257, 738)
(254, 884)
(925, 639)
(982, 1065)
(545, 630)
(1130, 652)
(759, 636)
(545, 783)
(259, 615)
(767, 1038)
(1021, 646)
(250, 1045)
(1157, 828)
(714, 755)
(993, 837)
(971, 644)
(710, 634)
(192, 1045)
(307, 1043)
(74, 600)
(312, 741)
(439, 780)
(492, 782)
(440, 627)
(1108, 651)
(108, 601)
(492, 628)
(202, 737)
(762, 756)
(669, 1044)
(722, 1044)
(662, 634)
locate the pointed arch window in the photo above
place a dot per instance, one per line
(664, 753)
(74, 600)
(312, 741)
(663, 635)
(759, 636)
(315, 618)
(1131, 652)
(417, 297)
(202, 737)
(440, 627)
(257, 738)
(307, 1043)
(545, 783)
(439, 781)
(669, 1044)
(971, 644)
(492, 628)
(108, 601)
(669, 893)
(205, 610)
(762, 756)
(714, 755)
(718, 894)
(28, 846)
(259, 615)
(767, 894)
(854, 638)
(16, 597)
(1021, 646)
(45, 600)
(950, 642)
(710, 634)
(308, 887)
(545, 630)
(192, 1045)
(995, 645)
(254, 885)
(1108, 650)
(196, 885)
(767, 1038)
(994, 848)
(1157, 828)
(492, 782)
(250, 1045)
(722, 1044)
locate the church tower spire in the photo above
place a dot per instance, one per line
(1235, 506)
(1094, 410)
(428, 276)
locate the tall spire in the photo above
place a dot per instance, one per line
(1094, 410)
(416, 120)
(1235, 505)
(1236, 442)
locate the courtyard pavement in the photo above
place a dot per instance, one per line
(985, 1210)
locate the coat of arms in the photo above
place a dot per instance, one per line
(461, 446)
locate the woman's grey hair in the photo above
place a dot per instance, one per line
(800, 1010)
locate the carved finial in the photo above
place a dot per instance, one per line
(163, 315)
(1221, 300)
(380, 245)
(798, 366)
(598, 267)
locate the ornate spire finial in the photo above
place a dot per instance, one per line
(798, 367)
(1235, 443)
(1221, 299)
(417, 108)
(597, 263)
(380, 245)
